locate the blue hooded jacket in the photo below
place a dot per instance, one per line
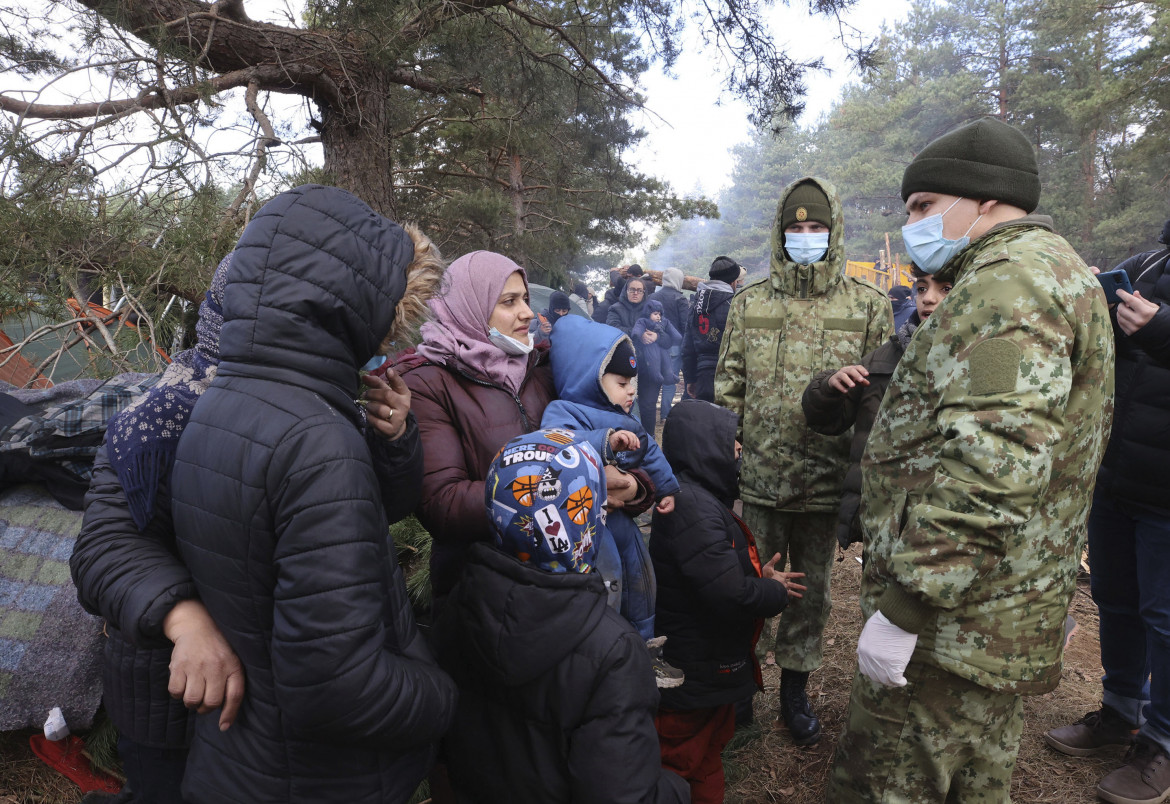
(581, 349)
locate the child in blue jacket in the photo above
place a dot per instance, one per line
(655, 365)
(593, 367)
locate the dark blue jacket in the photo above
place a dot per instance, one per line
(704, 333)
(278, 516)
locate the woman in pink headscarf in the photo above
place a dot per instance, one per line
(476, 382)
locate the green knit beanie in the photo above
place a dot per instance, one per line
(806, 202)
(987, 160)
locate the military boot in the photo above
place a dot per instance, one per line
(794, 709)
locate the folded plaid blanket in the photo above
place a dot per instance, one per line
(50, 649)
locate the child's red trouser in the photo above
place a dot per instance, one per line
(692, 744)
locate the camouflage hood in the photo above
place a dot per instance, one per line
(792, 279)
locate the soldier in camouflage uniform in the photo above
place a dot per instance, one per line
(806, 315)
(977, 482)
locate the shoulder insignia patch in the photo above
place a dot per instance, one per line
(994, 367)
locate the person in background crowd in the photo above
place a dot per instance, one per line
(282, 518)
(849, 397)
(1129, 547)
(163, 653)
(704, 330)
(803, 317)
(556, 693)
(712, 594)
(583, 296)
(902, 304)
(676, 308)
(655, 339)
(974, 494)
(626, 311)
(612, 294)
(542, 324)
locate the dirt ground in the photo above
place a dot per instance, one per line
(763, 765)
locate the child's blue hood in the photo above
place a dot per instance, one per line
(580, 350)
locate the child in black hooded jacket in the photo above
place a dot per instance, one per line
(713, 594)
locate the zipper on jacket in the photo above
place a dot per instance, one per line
(515, 398)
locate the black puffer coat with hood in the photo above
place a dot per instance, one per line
(711, 598)
(557, 698)
(1134, 468)
(278, 516)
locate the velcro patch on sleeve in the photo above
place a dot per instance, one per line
(994, 367)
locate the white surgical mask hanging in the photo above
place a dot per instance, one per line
(510, 345)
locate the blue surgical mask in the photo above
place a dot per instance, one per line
(927, 247)
(374, 362)
(806, 247)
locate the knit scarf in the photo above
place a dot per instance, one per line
(143, 438)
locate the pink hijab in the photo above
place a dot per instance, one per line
(461, 311)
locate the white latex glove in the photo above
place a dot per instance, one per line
(884, 650)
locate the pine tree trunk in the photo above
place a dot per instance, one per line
(357, 146)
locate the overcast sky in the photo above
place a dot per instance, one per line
(690, 145)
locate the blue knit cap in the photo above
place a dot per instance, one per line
(545, 496)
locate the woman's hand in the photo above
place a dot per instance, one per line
(387, 403)
(649, 336)
(205, 672)
(620, 487)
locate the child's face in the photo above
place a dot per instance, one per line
(619, 389)
(928, 294)
(655, 316)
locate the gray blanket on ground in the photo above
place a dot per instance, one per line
(50, 649)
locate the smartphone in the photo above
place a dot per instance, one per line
(1113, 281)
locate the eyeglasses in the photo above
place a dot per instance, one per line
(632, 291)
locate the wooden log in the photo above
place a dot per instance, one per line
(689, 282)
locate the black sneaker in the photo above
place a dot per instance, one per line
(1096, 732)
(666, 675)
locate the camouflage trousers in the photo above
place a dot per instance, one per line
(806, 543)
(939, 739)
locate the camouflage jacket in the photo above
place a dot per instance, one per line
(782, 330)
(978, 474)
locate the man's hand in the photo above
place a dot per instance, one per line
(205, 672)
(387, 403)
(623, 441)
(545, 326)
(1134, 311)
(848, 378)
(884, 651)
